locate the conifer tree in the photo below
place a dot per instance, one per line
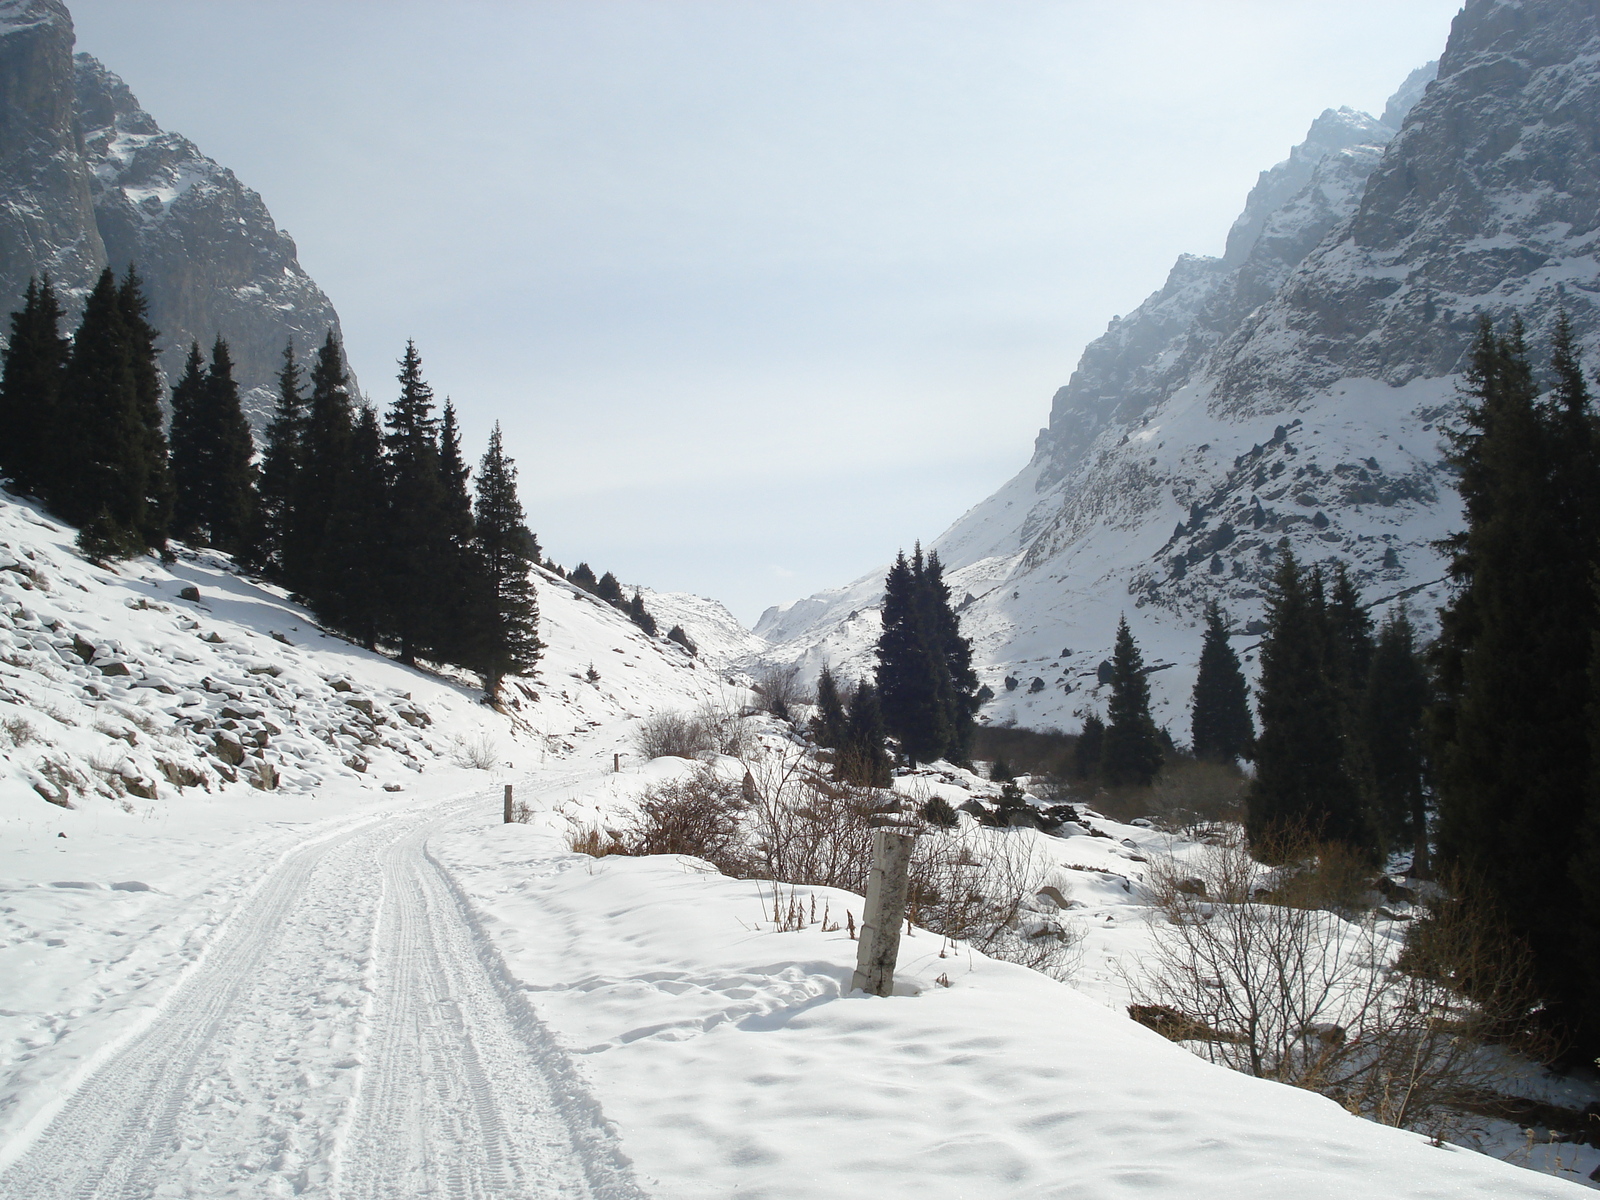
(925, 682)
(640, 615)
(465, 590)
(583, 576)
(862, 759)
(152, 451)
(958, 681)
(282, 472)
(1220, 725)
(330, 418)
(188, 461)
(1302, 786)
(609, 589)
(419, 550)
(30, 391)
(508, 553)
(828, 726)
(1514, 764)
(1391, 729)
(108, 476)
(353, 557)
(1091, 744)
(229, 485)
(1131, 753)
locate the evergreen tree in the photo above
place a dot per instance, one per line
(1220, 724)
(1131, 753)
(465, 592)
(925, 681)
(1302, 786)
(419, 549)
(677, 634)
(282, 472)
(1391, 728)
(1090, 746)
(354, 555)
(1000, 772)
(330, 418)
(508, 552)
(828, 726)
(188, 455)
(1514, 766)
(151, 451)
(229, 485)
(30, 391)
(583, 576)
(108, 476)
(958, 681)
(640, 615)
(609, 590)
(862, 759)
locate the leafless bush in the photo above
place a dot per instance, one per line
(697, 814)
(1189, 794)
(727, 730)
(1268, 980)
(479, 752)
(709, 729)
(593, 841)
(780, 689)
(18, 732)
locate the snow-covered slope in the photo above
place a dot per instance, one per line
(1293, 389)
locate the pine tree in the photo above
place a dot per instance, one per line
(107, 476)
(1514, 766)
(958, 682)
(609, 589)
(30, 391)
(640, 615)
(1302, 787)
(330, 420)
(188, 455)
(151, 452)
(1090, 745)
(1391, 728)
(418, 541)
(282, 472)
(230, 481)
(861, 759)
(354, 555)
(465, 594)
(1220, 726)
(828, 726)
(583, 576)
(925, 681)
(1131, 754)
(508, 552)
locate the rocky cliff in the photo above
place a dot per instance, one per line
(89, 179)
(1292, 389)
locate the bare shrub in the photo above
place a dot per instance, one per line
(709, 729)
(726, 730)
(1268, 980)
(593, 841)
(479, 752)
(697, 814)
(18, 732)
(780, 689)
(1193, 793)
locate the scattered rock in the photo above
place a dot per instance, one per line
(229, 748)
(113, 668)
(213, 637)
(278, 637)
(131, 885)
(189, 593)
(391, 787)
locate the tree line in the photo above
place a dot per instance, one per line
(375, 522)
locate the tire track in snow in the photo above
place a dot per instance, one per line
(356, 947)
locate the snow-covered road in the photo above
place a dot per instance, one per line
(348, 1033)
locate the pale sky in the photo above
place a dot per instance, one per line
(760, 290)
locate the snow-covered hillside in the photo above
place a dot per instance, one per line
(1294, 389)
(360, 983)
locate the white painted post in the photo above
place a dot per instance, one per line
(887, 885)
(508, 804)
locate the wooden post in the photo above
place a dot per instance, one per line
(616, 763)
(508, 804)
(879, 946)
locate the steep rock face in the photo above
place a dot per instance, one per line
(87, 179)
(215, 261)
(46, 205)
(1295, 390)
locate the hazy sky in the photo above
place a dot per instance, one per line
(761, 290)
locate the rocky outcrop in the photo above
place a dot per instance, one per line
(89, 179)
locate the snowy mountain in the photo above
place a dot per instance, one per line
(88, 179)
(1291, 389)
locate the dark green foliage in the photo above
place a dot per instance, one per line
(861, 758)
(419, 542)
(938, 812)
(1091, 745)
(508, 551)
(330, 420)
(640, 615)
(151, 451)
(828, 726)
(1220, 726)
(1303, 787)
(924, 675)
(188, 464)
(354, 555)
(583, 576)
(212, 449)
(465, 592)
(1391, 719)
(1001, 772)
(31, 445)
(1515, 769)
(609, 590)
(282, 472)
(677, 634)
(1131, 752)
